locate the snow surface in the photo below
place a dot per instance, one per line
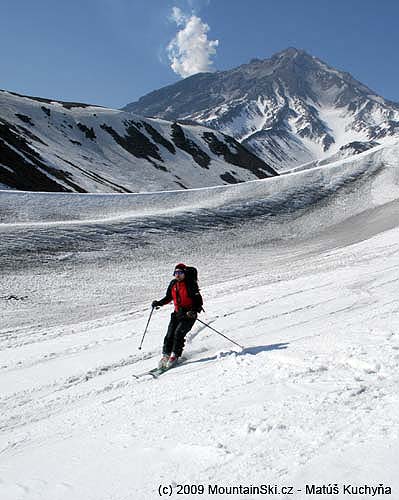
(302, 270)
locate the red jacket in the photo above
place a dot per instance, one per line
(180, 296)
(187, 298)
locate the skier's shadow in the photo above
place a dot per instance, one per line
(263, 348)
(253, 351)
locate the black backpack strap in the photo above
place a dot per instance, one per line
(168, 296)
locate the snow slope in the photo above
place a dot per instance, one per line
(56, 146)
(303, 274)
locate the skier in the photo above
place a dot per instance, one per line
(184, 292)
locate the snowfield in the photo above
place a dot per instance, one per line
(303, 270)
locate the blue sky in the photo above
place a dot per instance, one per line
(111, 52)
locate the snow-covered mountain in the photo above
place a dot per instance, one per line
(289, 110)
(57, 146)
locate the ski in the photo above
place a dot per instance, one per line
(157, 372)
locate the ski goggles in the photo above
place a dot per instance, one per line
(178, 272)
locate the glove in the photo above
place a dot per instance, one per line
(155, 303)
(191, 314)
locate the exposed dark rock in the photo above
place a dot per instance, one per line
(31, 135)
(158, 138)
(242, 157)
(359, 147)
(160, 167)
(327, 142)
(45, 110)
(89, 132)
(181, 185)
(25, 119)
(70, 105)
(227, 177)
(189, 146)
(391, 128)
(135, 142)
(21, 166)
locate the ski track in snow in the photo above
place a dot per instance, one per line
(313, 392)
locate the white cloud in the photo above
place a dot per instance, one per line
(178, 16)
(190, 51)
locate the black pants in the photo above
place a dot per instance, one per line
(175, 337)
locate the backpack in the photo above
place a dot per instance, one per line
(191, 278)
(191, 274)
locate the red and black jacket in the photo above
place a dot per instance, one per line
(185, 295)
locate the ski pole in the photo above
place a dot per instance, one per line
(145, 331)
(206, 324)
